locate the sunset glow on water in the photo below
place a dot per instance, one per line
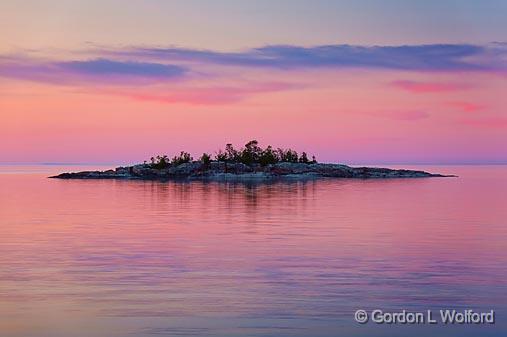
(139, 258)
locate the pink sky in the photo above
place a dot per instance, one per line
(392, 103)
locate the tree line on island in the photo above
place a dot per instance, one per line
(250, 154)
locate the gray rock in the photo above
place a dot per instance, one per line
(185, 169)
(239, 171)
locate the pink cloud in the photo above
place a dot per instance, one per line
(490, 123)
(409, 115)
(205, 96)
(428, 87)
(403, 115)
(466, 106)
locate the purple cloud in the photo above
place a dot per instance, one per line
(105, 67)
(104, 70)
(140, 66)
(437, 57)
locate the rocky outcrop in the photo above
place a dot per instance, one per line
(239, 171)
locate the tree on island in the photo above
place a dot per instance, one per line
(205, 159)
(184, 157)
(160, 162)
(250, 154)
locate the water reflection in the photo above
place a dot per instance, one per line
(141, 258)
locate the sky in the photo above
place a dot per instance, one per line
(349, 81)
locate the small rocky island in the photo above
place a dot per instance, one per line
(248, 163)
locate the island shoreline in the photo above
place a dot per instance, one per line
(222, 171)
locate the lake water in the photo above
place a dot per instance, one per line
(105, 258)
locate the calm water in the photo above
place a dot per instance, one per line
(137, 259)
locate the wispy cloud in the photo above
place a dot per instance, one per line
(437, 57)
(203, 95)
(466, 106)
(104, 71)
(428, 87)
(215, 77)
(487, 122)
(105, 67)
(400, 115)
(147, 65)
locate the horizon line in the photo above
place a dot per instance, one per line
(350, 164)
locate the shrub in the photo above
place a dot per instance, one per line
(250, 154)
(205, 159)
(160, 162)
(184, 157)
(232, 155)
(304, 158)
(289, 155)
(221, 156)
(268, 156)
